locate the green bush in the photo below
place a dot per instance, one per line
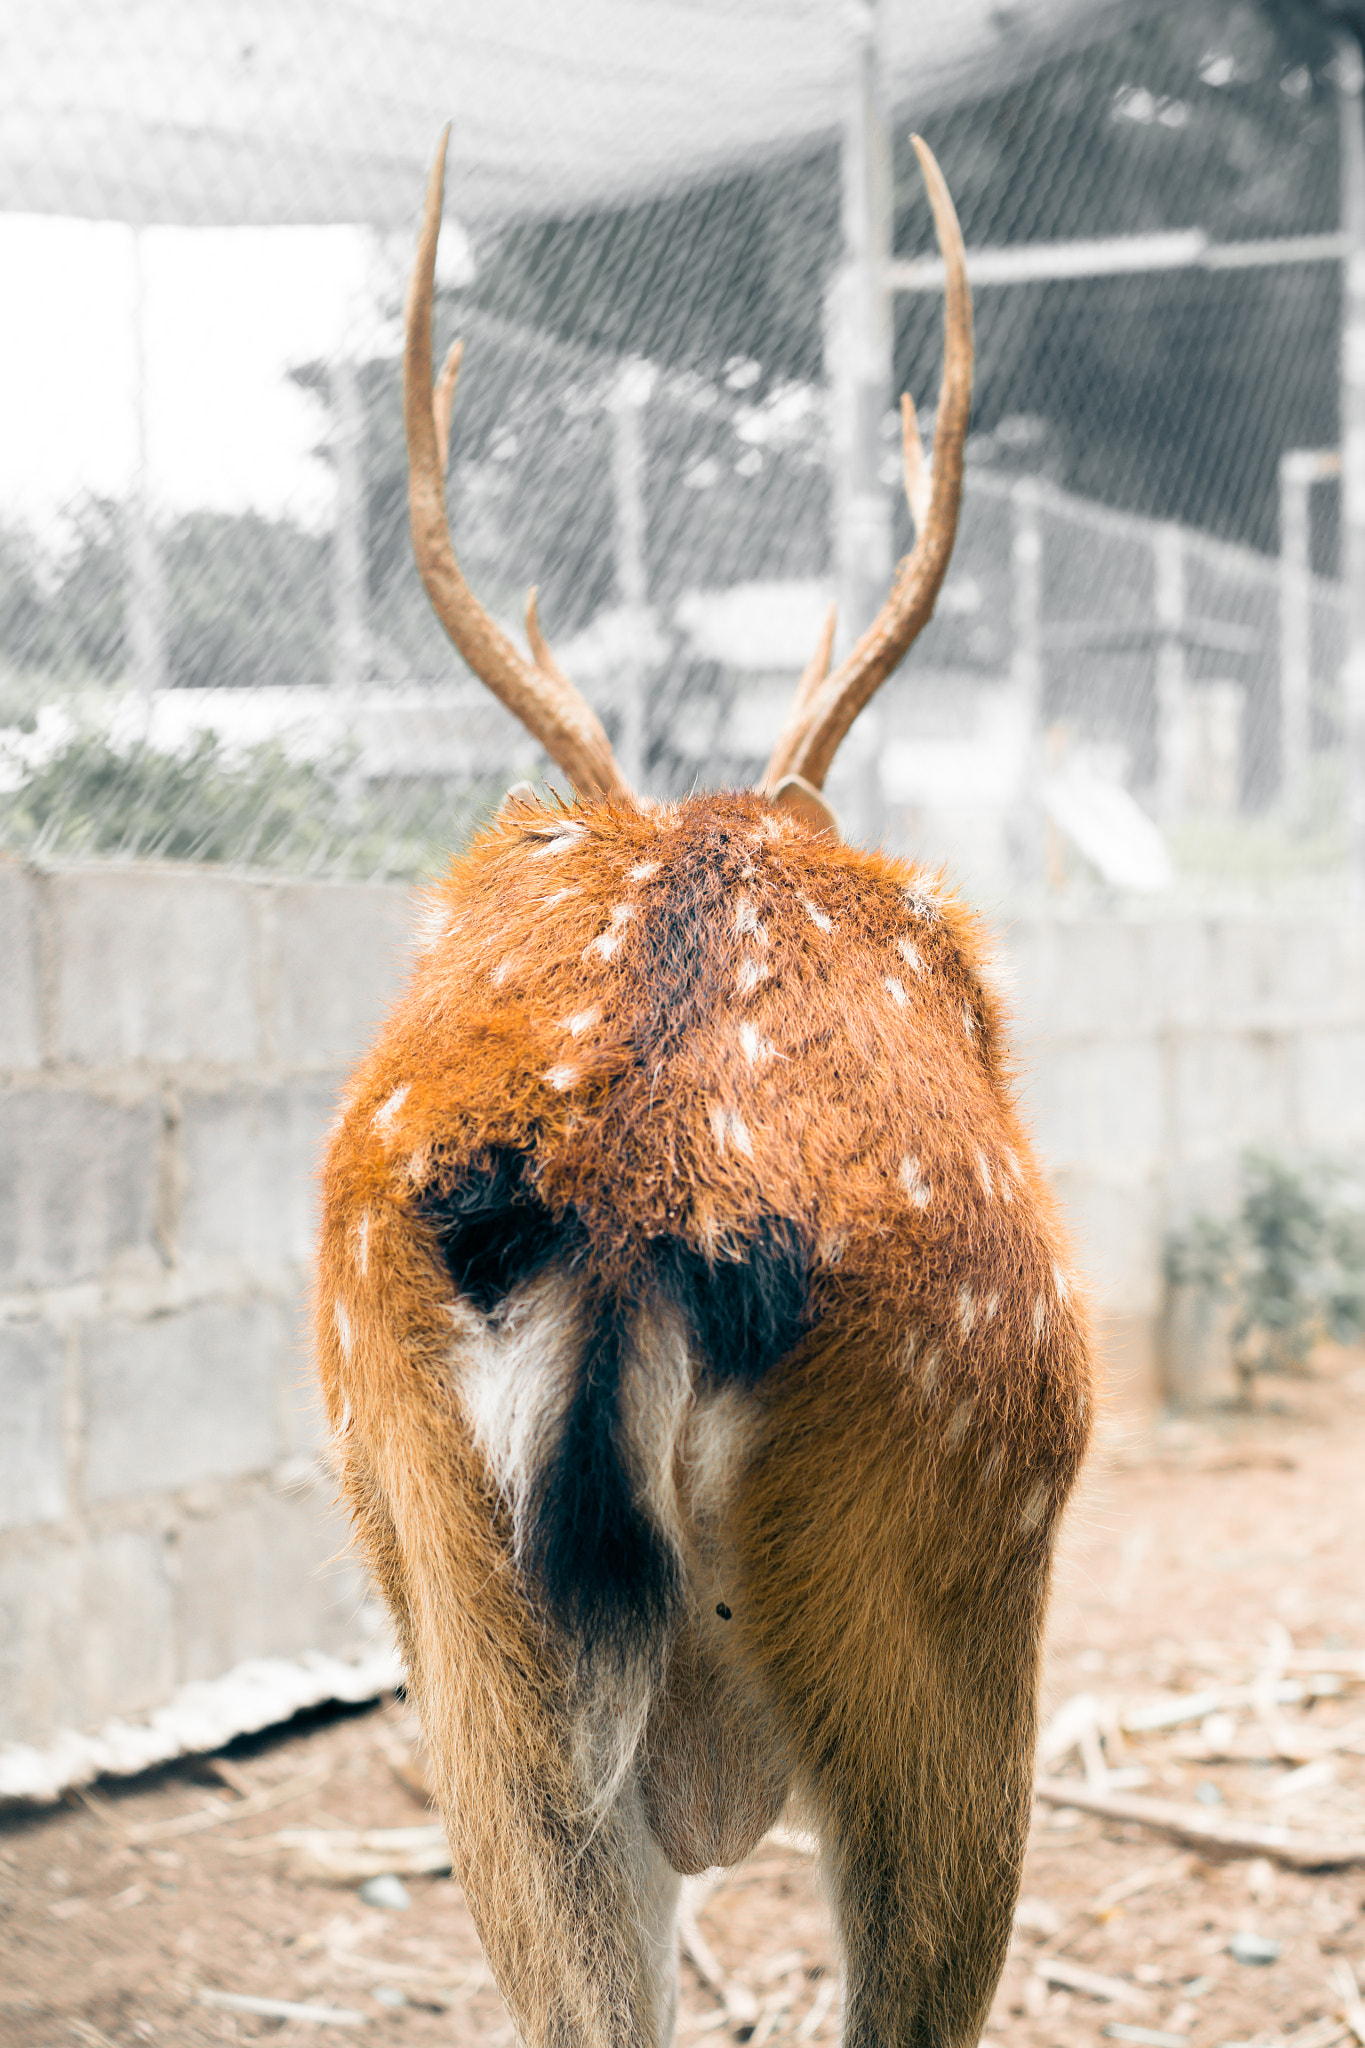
(1291, 1259)
(255, 808)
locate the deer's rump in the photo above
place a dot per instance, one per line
(596, 1401)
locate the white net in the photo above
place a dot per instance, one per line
(212, 641)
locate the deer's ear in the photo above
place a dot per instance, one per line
(793, 793)
(515, 801)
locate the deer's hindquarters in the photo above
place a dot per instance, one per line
(705, 1384)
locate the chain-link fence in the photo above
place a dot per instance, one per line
(213, 643)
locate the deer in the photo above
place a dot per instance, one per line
(704, 1366)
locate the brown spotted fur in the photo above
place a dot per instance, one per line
(884, 1552)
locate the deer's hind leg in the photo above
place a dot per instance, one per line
(897, 1605)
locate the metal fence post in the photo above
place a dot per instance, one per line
(1172, 737)
(144, 570)
(1026, 666)
(629, 458)
(349, 579)
(1350, 77)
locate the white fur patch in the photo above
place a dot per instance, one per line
(896, 990)
(1062, 1284)
(751, 973)
(1039, 1318)
(607, 944)
(968, 1021)
(748, 922)
(716, 1447)
(581, 1021)
(911, 955)
(990, 1308)
(345, 1421)
(914, 1183)
(382, 1120)
(558, 896)
(345, 1334)
(431, 926)
(818, 917)
(966, 1310)
(729, 1128)
(563, 1077)
(958, 1423)
(560, 840)
(1035, 1507)
(515, 1380)
(499, 974)
(929, 1371)
(755, 1047)
(924, 903)
(983, 1167)
(362, 1242)
(644, 870)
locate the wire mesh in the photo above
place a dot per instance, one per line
(213, 644)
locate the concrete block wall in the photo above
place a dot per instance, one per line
(1153, 1052)
(171, 1044)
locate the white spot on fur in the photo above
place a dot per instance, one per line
(581, 1021)
(966, 1310)
(983, 1167)
(755, 1047)
(896, 990)
(958, 1423)
(924, 903)
(343, 1327)
(643, 871)
(557, 896)
(362, 1242)
(606, 945)
(431, 926)
(929, 1371)
(500, 973)
(911, 955)
(382, 1120)
(968, 1020)
(914, 1184)
(729, 1128)
(751, 973)
(1062, 1284)
(748, 922)
(1039, 1318)
(1035, 1507)
(817, 916)
(990, 1308)
(559, 840)
(345, 1421)
(562, 1078)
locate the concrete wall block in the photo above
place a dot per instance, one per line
(249, 1157)
(21, 991)
(129, 1658)
(1053, 1101)
(1124, 1081)
(182, 1398)
(154, 964)
(78, 1183)
(42, 1628)
(341, 953)
(300, 1422)
(1182, 953)
(32, 1455)
(1262, 969)
(1116, 1233)
(1329, 1088)
(267, 1577)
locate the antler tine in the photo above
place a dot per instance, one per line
(539, 645)
(818, 722)
(547, 704)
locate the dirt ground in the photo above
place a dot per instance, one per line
(1222, 1558)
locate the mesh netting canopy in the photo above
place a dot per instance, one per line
(236, 112)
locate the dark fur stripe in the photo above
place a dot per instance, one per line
(601, 1569)
(605, 1572)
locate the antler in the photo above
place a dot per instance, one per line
(542, 697)
(824, 709)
